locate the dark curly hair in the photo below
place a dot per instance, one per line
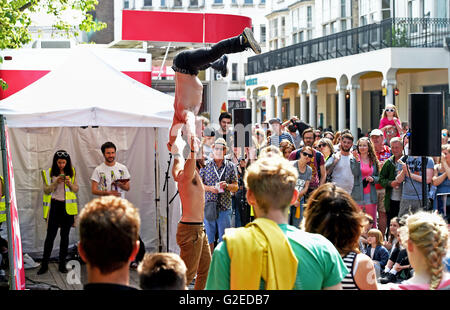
(332, 212)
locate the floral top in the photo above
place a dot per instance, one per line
(211, 174)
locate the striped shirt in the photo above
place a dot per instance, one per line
(348, 283)
(275, 139)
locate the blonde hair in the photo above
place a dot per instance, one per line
(328, 142)
(377, 234)
(270, 151)
(272, 180)
(429, 232)
(445, 147)
(390, 106)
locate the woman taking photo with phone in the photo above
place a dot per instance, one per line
(60, 206)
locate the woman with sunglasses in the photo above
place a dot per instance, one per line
(364, 191)
(390, 117)
(60, 207)
(304, 177)
(325, 146)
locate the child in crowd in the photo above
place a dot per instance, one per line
(363, 238)
(397, 268)
(376, 251)
(390, 117)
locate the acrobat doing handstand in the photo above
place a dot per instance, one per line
(189, 89)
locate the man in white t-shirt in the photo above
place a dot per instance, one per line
(342, 164)
(113, 178)
(110, 177)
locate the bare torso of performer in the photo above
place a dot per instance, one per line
(190, 187)
(188, 99)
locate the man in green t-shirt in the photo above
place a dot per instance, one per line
(268, 253)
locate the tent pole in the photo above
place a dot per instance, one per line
(12, 283)
(164, 60)
(158, 220)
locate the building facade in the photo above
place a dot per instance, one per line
(337, 63)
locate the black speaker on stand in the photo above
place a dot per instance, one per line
(425, 123)
(242, 120)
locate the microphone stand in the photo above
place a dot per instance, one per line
(166, 184)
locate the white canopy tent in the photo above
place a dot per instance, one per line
(77, 107)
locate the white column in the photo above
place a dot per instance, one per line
(354, 110)
(389, 98)
(279, 106)
(303, 115)
(312, 108)
(254, 102)
(342, 117)
(270, 107)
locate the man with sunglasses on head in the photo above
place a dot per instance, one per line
(220, 180)
(342, 165)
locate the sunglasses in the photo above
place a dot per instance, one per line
(322, 145)
(390, 110)
(219, 148)
(61, 154)
(307, 154)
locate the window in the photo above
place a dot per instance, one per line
(234, 71)
(193, 3)
(343, 25)
(177, 3)
(302, 36)
(147, 2)
(343, 8)
(309, 16)
(262, 34)
(385, 9)
(410, 9)
(283, 23)
(126, 4)
(163, 3)
(294, 18)
(248, 1)
(262, 2)
(218, 1)
(442, 9)
(333, 28)
(234, 2)
(363, 20)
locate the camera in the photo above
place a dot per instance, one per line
(300, 126)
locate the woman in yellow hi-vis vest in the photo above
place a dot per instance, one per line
(60, 206)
